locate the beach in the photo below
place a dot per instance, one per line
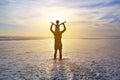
(83, 59)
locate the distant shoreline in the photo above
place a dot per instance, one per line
(7, 38)
(11, 38)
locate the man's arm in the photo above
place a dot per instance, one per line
(51, 28)
(64, 28)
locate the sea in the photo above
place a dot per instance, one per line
(87, 58)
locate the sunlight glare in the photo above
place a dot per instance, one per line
(57, 17)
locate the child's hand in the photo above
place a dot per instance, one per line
(52, 23)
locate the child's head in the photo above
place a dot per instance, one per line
(57, 21)
(57, 27)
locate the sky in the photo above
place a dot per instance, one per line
(83, 17)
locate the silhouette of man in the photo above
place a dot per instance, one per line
(57, 38)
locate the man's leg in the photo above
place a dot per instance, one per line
(55, 53)
(60, 54)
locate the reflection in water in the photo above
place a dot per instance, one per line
(58, 71)
(65, 70)
(55, 70)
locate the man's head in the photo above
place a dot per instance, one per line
(57, 21)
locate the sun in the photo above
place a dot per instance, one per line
(59, 17)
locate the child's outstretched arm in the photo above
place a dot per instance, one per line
(62, 23)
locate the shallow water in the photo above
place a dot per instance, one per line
(83, 59)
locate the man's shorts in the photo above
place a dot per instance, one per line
(58, 46)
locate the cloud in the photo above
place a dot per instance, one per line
(113, 18)
(113, 2)
(19, 9)
(100, 13)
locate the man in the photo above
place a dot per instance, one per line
(57, 38)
